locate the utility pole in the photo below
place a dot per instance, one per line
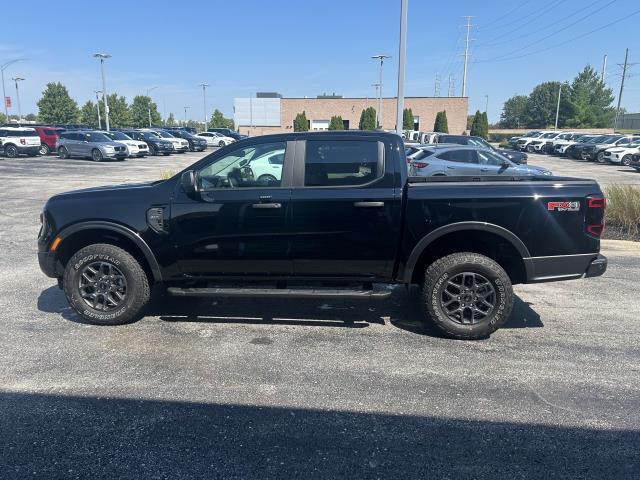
(16, 80)
(604, 68)
(382, 58)
(185, 114)
(624, 75)
(466, 58)
(452, 86)
(558, 105)
(402, 53)
(103, 57)
(436, 87)
(204, 103)
(4, 95)
(149, 90)
(377, 85)
(486, 104)
(98, 105)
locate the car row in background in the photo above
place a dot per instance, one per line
(612, 148)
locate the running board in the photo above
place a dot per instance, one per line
(278, 293)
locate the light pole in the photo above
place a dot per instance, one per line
(149, 90)
(185, 114)
(380, 57)
(486, 105)
(16, 80)
(204, 102)
(98, 105)
(377, 85)
(558, 106)
(103, 57)
(402, 53)
(4, 95)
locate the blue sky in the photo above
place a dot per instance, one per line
(309, 47)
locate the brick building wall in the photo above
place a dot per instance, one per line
(349, 109)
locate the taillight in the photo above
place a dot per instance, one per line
(594, 218)
(420, 164)
(23, 141)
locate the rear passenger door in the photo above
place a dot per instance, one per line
(71, 143)
(460, 162)
(345, 211)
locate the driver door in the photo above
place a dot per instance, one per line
(492, 164)
(237, 223)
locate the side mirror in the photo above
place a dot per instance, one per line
(189, 184)
(506, 164)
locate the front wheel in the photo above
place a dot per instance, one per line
(96, 155)
(105, 285)
(530, 149)
(11, 151)
(467, 296)
(153, 150)
(221, 143)
(600, 157)
(626, 160)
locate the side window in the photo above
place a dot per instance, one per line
(460, 156)
(488, 158)
(341, 163)
(248, 167)
(623, 141)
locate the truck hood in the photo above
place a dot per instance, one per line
(107, 188)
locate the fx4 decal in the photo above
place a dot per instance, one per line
(563, 206)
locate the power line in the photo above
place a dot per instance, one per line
(618, 20)
(509, 12)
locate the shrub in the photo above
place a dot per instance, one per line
(166, 174)
(336, 123)
(623, 208)
(441, 124)
(300, 123)
(407, 119)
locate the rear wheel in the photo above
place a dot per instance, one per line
(11, 151)
(626, 160)
(221, 143)
(63, 153)
(600, 157)
(152, 149)
(96, 155)
(105, 285)
(467, 296)
(44, 149)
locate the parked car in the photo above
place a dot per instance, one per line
(227, 132)
(544, 143)
(348, 217)
(560, 145)
(179, 145)
(597, 152)
(48, 138)
(513, 141)
(467, 160)
(89, 144)
(196, 144)
(523, 143)
(623, 154)
(16, 141)
(516, 157)
(191, 130)
(635, 162)
(135, 148)
(156, 144)
(575, 151)
(215, 139)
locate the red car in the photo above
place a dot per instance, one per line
(48, 138)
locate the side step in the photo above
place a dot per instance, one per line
(279, 293)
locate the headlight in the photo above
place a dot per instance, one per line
(109, 148)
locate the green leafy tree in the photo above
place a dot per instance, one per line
(218, 120)
(514, 112)
(89, 114)
(300, 123)
(138, 113)
(368, 119)
(590, 102)
(542, 103)
(119, 113)
(56, 106)
(171, 120)
(336, 123)
(441, 124)
(30, 117)
(3, 118)
(407, 119)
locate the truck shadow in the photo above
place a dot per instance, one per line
(402, 310)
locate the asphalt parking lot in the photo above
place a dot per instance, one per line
(311, 389)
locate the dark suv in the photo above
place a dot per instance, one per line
(157, 145)
(196, 144)
(516, 157)
(228, 133)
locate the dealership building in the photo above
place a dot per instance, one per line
(270, 112)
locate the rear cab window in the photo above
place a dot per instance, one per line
(340, 163)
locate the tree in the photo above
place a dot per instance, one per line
(368, 119)
(219, 121)
(300, 123)
(138, 112)
(484, 126)
(542, 103)
(441, 124)
(3, 118)
(56, 106)
(589, 101)
(171, 121)
(119, 113)
(514, 112)
(336, 123)
(470, 119)
(476, 129)
(30, 117)
(407, 119)
(89, 114)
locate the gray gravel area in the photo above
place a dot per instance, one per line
(308, 388)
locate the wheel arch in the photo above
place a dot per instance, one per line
(79, 235)
(488, 239)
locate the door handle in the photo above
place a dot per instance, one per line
(484, 169)
(266, 205)
(368, 204)
(450, 168)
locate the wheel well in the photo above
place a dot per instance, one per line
(477, 241)
(82, 238)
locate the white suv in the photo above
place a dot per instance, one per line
(623, 154)
(16, 141)
(135, 148)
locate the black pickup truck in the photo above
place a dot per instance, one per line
(321, 214)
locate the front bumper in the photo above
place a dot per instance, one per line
(564, 267)
(50, 265)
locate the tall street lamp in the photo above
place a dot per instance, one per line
(402, 54)
(382, 58)
(204, 102)
(16, 80)
(98, 105)
(149, 90)
(185, 114)
(4, 95)
(103, 57)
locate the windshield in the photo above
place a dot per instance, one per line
(117, 136)
(149, 135)
(480, 142)
(96, 137)
(549, 135)
(598, 139)
(532, 134)
(164, 134)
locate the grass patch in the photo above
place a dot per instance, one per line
(623, 209)
(166, 174)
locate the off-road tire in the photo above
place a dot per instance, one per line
(446, 268)
(137, 293)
